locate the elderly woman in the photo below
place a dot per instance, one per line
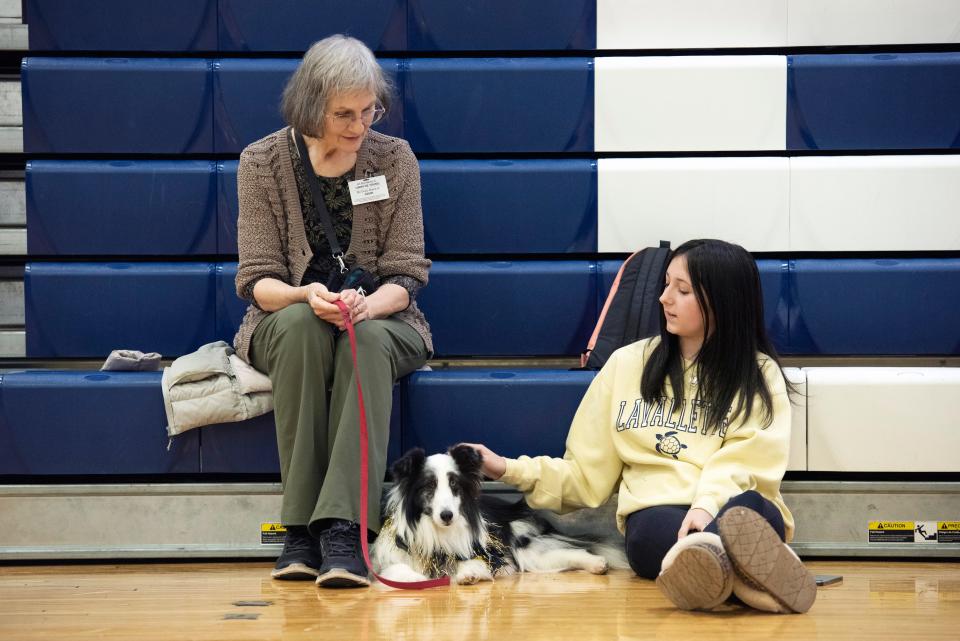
(292, 329)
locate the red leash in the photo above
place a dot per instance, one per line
(364, 472)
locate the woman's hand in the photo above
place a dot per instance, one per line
(494, 465)
(362, 308)
(697, 519)
(321, 300)
(357, 304)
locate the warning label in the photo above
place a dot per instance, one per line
(948, 531)
(925, 532)
(914, 532)
(272, 534)
(890, 531)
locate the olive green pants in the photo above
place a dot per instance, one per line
(316, 412)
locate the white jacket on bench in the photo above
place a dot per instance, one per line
(213, 385)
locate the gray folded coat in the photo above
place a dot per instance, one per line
(213, 385)
(131, 360)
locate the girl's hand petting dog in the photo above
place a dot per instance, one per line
(494, 465)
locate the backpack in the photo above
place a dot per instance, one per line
(632, 310)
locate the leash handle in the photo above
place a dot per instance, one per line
(365, 471)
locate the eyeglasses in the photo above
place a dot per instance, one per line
(343, 119)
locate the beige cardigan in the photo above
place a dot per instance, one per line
(386, 238)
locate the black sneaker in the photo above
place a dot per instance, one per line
(343, 565)
(301, 557)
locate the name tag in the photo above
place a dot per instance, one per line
(368, 190)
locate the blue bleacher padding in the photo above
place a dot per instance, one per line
(607, 272)
(82, 422)
(250, 447)
(245, 447)
(247, 97)
(93, 207)
(89, 309)
(530, 308)
(520, 308)
(117, 105)
(774, 281)
(122, 25)
(293, 25)
(230, 307)
(535, 308)
(501, 25)
(482, 206)
(875, 307)
(228, 206)
(873, 101)
(509, 206)
(499, 104)
(246, 104)
(512, 411)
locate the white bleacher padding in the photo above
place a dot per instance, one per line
(11, 303)
(875, 203)
(798, 424)
(883, 419)
(13, 33)
(708, 24)
(11, 140)
(690, 24)
(13, 216)
(872, 22)
(13, 37)
(11, 107)
(13, 343)
(690, 103)
(13, 241)
(642, 201)
(13, 201)
(11, 116)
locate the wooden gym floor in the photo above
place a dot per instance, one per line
(887, 600)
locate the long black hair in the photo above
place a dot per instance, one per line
(725, 280)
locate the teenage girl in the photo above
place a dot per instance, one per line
(692, 429)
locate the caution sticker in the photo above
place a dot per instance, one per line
(948, 531)
(914, 532)
(272, 533)
(890, 532)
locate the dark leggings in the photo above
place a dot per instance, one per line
(651, 532)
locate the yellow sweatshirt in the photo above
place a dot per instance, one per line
(660, 453)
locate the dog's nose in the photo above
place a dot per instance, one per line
(446, 516)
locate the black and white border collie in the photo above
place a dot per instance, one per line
(438, 523)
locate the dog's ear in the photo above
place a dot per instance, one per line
(468, 460)
(409, 465)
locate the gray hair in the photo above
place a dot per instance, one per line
(333, 66)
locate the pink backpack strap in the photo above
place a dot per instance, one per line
(585, 355)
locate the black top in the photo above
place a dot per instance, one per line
(336, 196)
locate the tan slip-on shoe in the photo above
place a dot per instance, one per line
(695, 573)
(764, 562)
(756, 598)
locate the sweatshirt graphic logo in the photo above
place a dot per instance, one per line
(679, 415)
(669, 445)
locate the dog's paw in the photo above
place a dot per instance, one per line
(596, 565)
(472, 571)
(402, 572)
